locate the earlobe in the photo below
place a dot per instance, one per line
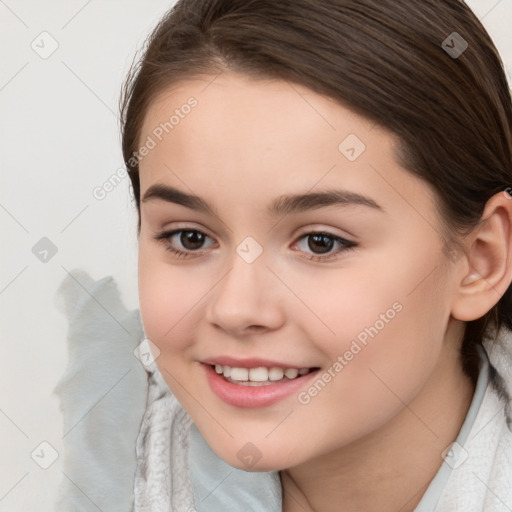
(489, 258)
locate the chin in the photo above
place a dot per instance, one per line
(253, 459)
(258, 467)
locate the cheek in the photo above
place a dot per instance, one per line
(358, 302)
(168, 305)
(394, 295)
(168, 297)
(381, 328)
(376, 366)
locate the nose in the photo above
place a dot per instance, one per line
(247, 299)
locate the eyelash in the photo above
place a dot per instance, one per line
(166, 235)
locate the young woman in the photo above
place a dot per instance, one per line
(325, 257)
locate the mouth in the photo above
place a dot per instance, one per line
(256, 386)
(260, 375)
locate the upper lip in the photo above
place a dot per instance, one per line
(251, 362)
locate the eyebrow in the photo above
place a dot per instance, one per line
(283, 205)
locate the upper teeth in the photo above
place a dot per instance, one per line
(260, 374)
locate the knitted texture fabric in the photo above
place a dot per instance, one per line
(483, 480)
(161, 480)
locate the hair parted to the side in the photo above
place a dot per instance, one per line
(383, 59)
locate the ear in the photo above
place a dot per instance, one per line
(485, 272)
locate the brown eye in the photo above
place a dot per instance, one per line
(192, 240)
(320, 242)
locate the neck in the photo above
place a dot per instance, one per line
(391, 468)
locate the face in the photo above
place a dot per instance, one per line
(313, 308)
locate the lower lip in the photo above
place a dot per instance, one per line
(253, 396)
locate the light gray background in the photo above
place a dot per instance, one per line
(59, 141)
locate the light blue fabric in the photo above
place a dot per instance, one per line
(219, 487)
(102, 395)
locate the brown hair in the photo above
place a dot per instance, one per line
(388, 60)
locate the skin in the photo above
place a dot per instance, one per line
(384, 420)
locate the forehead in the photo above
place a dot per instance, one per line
(266, 137)
(255, 120)
(232, 97)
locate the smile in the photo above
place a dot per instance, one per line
(260, 375)
(259, 386)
